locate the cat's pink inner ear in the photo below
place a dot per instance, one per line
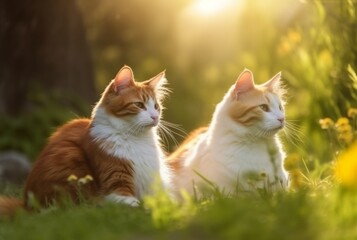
(273, 83)
(123, 79)
(157, 81)
(244, 83)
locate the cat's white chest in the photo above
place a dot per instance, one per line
(230, 166)
(144, 155)
(251, 158)
(142, 151)
(253, 165)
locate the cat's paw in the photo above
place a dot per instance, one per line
(128, 200)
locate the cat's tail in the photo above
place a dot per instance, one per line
(9, 206)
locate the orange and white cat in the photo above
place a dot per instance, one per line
(239, 151)
(118, 149)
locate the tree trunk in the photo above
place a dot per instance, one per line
(42, 44)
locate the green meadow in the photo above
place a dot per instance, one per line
(326, 212)
(203, 45)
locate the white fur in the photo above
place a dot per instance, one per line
(228, 152)
(133, 138)
(132, 201)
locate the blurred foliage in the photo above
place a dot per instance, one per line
(313, 43)
(204, 52)
(317, 62)
(28, 132)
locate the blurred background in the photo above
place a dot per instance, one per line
(57, 56)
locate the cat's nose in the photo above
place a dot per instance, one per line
(281, 120)
(155, 119)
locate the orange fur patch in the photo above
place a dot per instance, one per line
(9, 206)
(245, 110)
(121, 104)
(175, 159)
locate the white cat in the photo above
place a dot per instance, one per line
(240, 150)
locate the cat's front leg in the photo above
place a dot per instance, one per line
(124, 192)
(117, 183)
(117, 198)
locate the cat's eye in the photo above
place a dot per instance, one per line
(156, 106)
(139, 105)
(264, 107)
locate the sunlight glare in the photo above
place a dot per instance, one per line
(209, 7)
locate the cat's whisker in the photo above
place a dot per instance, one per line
(253, 137)
(293, 133)
(293, 120)
(163, 137)
(294, 129)
(174, 128)
(168, 132)
(260, 133)
(293, 125)
(134, 128)
(250, 137)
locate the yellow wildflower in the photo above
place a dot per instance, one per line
(85, 180)
(344, 128)
(346, 137)
(342, 121)
(284, 47)
(352, 112)
(72, 178)
(89, 178)
(326, 123)
(82, 181)
(326, 58)
(296, 178)
(294, 36)
(291, 162)
(346, 167)
(263, 174)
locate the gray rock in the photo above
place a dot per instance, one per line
(14, 167)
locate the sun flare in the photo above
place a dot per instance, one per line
(209, 7)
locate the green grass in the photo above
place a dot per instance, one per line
(310, 213)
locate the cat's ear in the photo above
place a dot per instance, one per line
(123, 79)
(273, 84)
(158, 81)
(244, 83)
